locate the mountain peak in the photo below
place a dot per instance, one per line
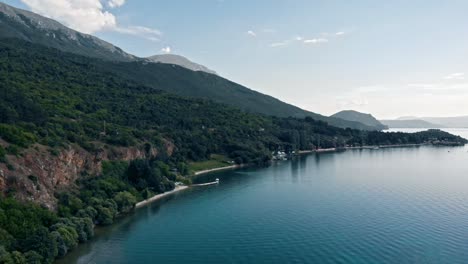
(180, 61)
(366, 119)
(29, 26)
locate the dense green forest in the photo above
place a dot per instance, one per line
(57, 99)
(32, 234)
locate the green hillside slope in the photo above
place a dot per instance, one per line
(31, 27)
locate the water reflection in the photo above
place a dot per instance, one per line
(405, 205)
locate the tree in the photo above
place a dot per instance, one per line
(2, 154)
(6, 240)
(42, 242)
(88, 212)
(105, 216)
(32, 257)
(5, 256)
(62, 248)
(125, 201)
(68, 235)
(18, 258)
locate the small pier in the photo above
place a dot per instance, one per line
(206, 184)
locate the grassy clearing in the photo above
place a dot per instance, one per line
(215, 161)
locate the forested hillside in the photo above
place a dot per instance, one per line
(27, 26)
(51, 102)
(57, 98)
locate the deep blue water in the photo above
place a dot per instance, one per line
(402, 205)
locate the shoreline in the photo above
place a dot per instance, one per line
(217, 169)
(237, 166)
(184, 187)
(390, 146)
(302, 152)
(160, 196)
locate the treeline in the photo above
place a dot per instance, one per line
(32, 234)
(117, 190)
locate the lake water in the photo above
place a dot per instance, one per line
(401, 205)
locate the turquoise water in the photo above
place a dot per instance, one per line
(403, 205)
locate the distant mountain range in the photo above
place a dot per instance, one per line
(410, 123)
(452, 122)
(199, 82)
(428, 122)
(179, 60)
(366, 119)
(403, 122)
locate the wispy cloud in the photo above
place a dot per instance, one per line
(140, 31)
(89, 16)
(316, 41)
(251, 33)
(279, 44)
(321, 38)
(115, 3)
(166, 50)
(286, 42)
(455, 76)
(352, 101)
(440, 87)
(300, 40)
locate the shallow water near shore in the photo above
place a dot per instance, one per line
(400, 205)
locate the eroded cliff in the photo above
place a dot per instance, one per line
(38, 172)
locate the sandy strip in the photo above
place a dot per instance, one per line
(159, 196)
(205, 184)
(217, 169)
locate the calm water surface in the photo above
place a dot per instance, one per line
(404, 205)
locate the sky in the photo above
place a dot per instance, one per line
(388, 58)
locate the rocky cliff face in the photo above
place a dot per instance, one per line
(37, 173)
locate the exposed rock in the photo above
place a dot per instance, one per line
(37, 174)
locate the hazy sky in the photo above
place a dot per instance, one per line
(389, 58)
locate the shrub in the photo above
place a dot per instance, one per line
(13, 150)
(34, 179)
(2, 155)
(16, 135)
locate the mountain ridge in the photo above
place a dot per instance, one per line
(363, 118)
(181, 61)
(453, 122)
(410, 123)
(429, 122)
(28, 26)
